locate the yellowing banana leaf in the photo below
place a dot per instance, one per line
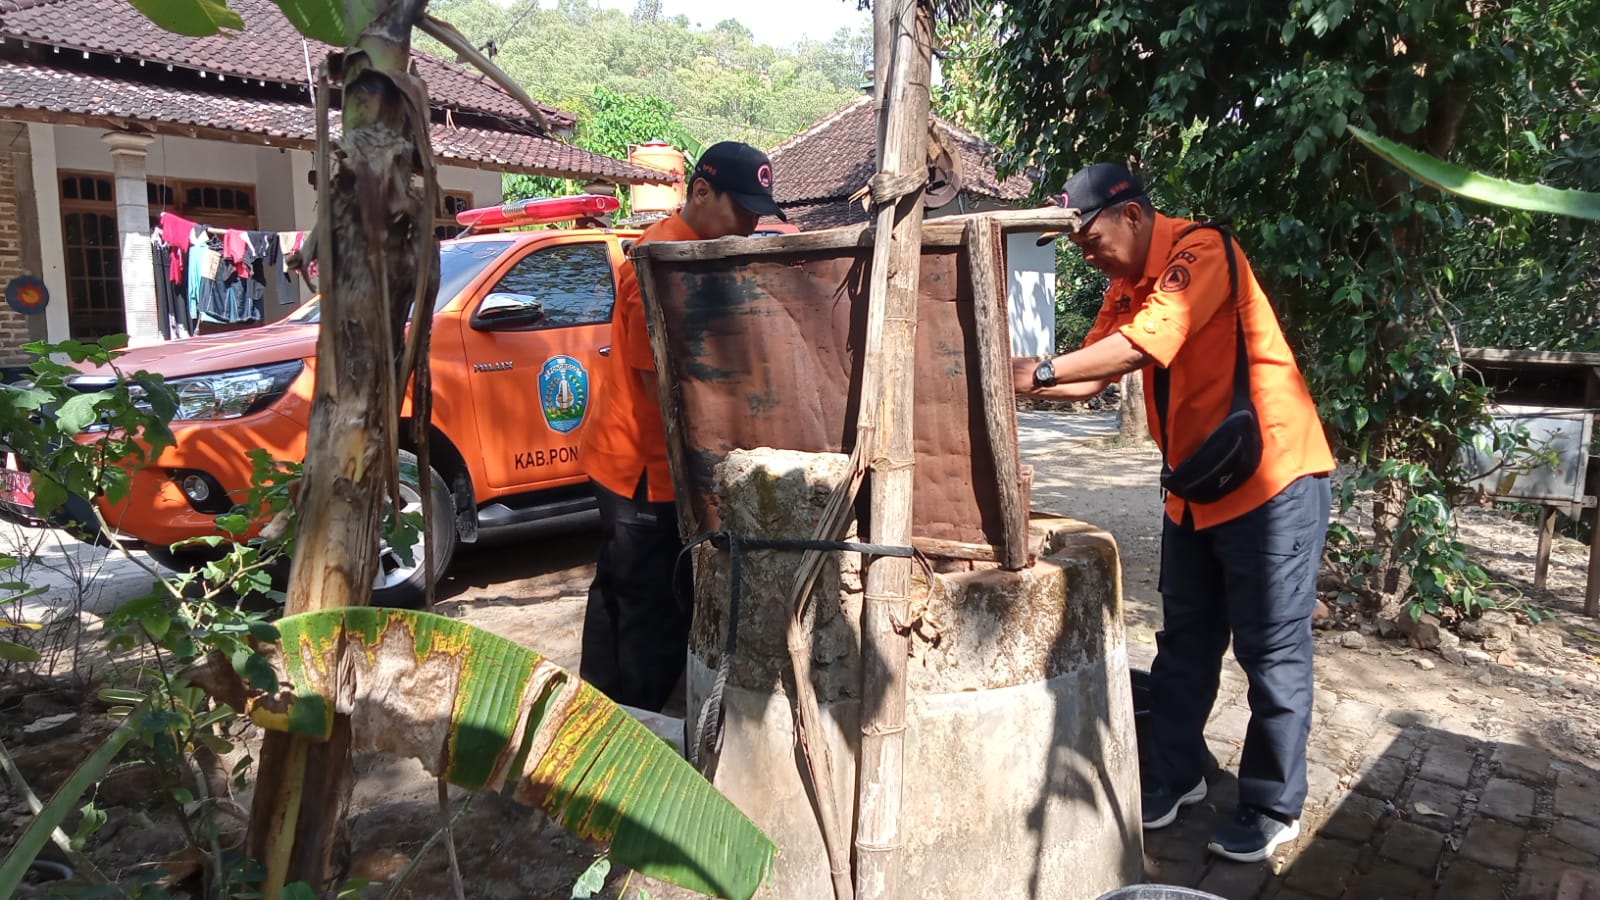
(1482, 188)
(478, 709)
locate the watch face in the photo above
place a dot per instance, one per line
(1045, 373)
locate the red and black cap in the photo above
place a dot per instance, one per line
(1093, 189)
(740, 170)
(1097, 187)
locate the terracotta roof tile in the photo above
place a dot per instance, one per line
(51, 93)
(836, 157)
(824, 214)
(269, 48)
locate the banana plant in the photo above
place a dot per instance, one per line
(376, 258)
(1445, 176)
(480, 711)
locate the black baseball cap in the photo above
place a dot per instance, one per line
(740, 170)
(1096, 187)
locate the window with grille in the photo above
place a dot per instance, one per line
(93, 248)
(444, 217)
(93, 256)
(217, 205)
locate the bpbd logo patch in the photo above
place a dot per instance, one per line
(563, 393)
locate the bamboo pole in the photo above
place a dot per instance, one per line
(905, 27)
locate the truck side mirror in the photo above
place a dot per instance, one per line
(501, 310)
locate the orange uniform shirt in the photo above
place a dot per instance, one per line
(1178, 313)
(626, 438)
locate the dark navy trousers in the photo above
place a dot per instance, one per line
(635, 631)
(1253, 579)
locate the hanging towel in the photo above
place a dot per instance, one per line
(177, 233)
(237, 249)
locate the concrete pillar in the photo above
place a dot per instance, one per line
(1021, 768)
(52, 255)
(128, 153)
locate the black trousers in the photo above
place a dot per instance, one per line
(1255, 579)
(635, 633)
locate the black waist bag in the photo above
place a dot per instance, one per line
(1231, 453)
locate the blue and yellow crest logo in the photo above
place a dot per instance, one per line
(563, 393)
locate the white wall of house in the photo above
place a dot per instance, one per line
(1030, 281)
(285, 198)
(1031, 294)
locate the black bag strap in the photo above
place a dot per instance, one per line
(1241, 362)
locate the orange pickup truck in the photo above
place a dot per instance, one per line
(521, 321)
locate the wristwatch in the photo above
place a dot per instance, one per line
(1045, 374)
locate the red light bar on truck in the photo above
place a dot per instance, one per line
(537, 211)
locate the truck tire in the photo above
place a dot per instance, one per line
(397, 585)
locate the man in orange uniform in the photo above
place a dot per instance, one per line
(635, 632)
(1239, 556)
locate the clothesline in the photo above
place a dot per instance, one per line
(212, 278)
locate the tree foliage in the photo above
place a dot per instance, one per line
(611, 124)
(717, 81)
(1240, 111)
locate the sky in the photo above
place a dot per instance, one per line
(776, 24)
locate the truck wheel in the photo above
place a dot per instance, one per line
(399, 584)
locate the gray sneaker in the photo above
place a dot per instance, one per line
(1161, 806)
(1252, 836)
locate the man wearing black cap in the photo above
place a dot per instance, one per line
(1246, 489)
(635, 634)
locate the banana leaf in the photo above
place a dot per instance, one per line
(478, 710)
(37, 834)
(336, 22)
(11, 651)
(195, 18)
(1483, 188)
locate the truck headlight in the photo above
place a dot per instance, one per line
(234, 393)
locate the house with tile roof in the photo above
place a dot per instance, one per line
(106, 121)
(822, 172)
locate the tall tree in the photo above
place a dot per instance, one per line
(1239, 111)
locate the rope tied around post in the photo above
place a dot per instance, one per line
(705, 742)
(887, 189)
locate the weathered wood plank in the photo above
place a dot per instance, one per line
(956, 550)
(986, 268)
(947, 231)
(669, 397)
(1547, 533)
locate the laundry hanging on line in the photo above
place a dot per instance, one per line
(219, 276)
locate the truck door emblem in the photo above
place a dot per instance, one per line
(563, 393)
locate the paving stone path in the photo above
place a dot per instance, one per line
(1408, 799)
(1402, 805)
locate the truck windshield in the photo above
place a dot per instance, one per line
(459, 263)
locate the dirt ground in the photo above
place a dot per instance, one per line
(531, 588)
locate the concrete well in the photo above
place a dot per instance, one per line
(1021, 775)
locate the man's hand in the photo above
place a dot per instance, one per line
(1022, 368)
